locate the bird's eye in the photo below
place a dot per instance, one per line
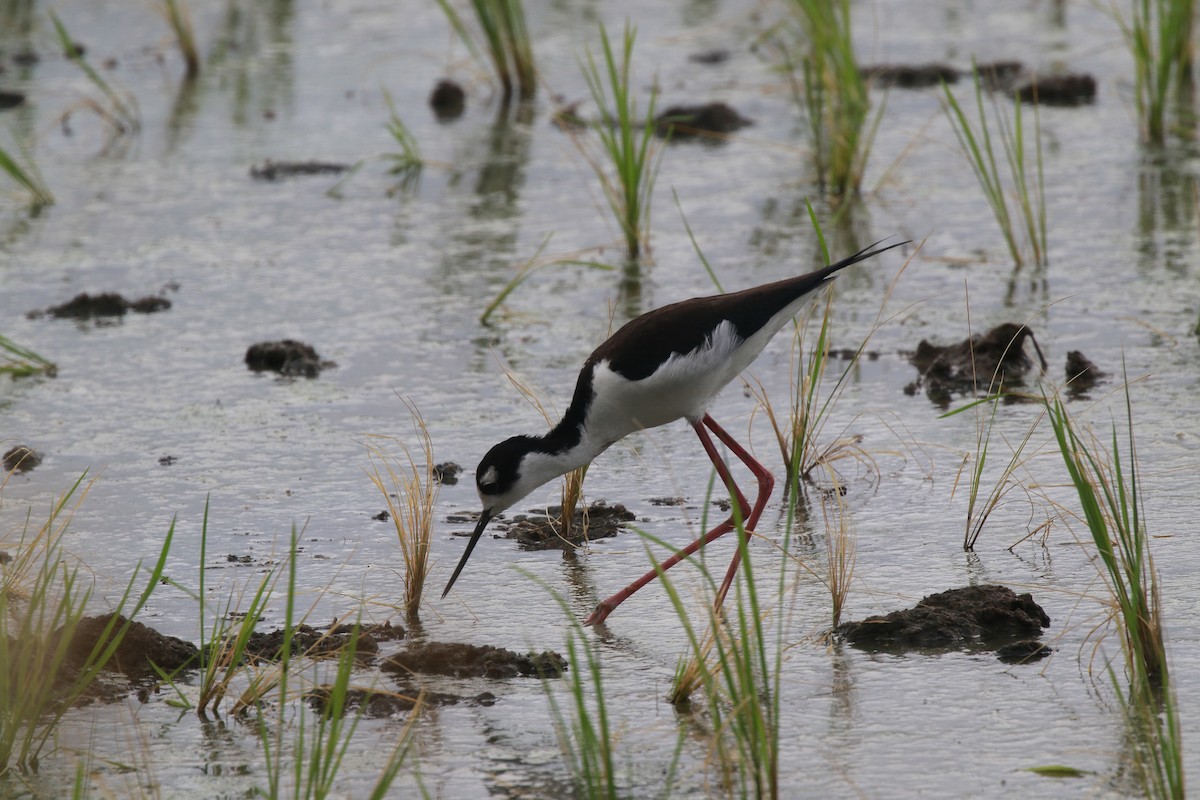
(487, 479)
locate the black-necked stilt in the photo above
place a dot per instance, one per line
(665, 365)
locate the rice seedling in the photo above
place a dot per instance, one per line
(410, 491)
(43, 600)
(175, 12)
(223, 646)
(406, 161)
(18, 361)
(526, 269)
(629, 159)
(738, 667)
(587, 739)
(502, 33)
(1028, 191)
(834, 95)
(23, 170)
(121, 112)
(1159, 35)
(1110, 497)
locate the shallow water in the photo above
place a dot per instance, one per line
(389, 283)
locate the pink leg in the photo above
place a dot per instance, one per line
(765, 484)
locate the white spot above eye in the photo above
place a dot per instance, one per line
(488, 478)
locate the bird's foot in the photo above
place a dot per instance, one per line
(601, 613)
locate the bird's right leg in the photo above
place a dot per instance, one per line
(608, 606)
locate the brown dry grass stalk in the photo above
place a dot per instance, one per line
(410, 489)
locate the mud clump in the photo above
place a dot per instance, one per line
(708, 120)
(446, 473)
(381, 705)
(105, 304)
(1067, 89)
(474, 661)
(597, 521)
(288, 357)
(20, 458)
(989, 617)
(314, 642)
(911, 76)
(10, 99)
(279, 170)
(1082, 374)
(448, 100)
(984, 362)
(140, 649)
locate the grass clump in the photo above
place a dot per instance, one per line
(18, 361)
(406, 161)
(834, 95)
(1159, 35)
(629, 160)
(20, 166)
(43, 600)
(120, 112)
(410, 490)
(1029, 213)
(1110, 496)
(500, 30)
(177, 16)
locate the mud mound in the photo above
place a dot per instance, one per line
(460, 660)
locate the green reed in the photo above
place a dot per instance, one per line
(120, 112)
(1110, 497)
(629, 160)
(22, 169)
(500, 30)
(1023, 180)
(175, 12)
(834, 94)
(18, 361)
(43, 600)
(1160, 37)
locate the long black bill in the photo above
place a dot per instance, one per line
(484, 519)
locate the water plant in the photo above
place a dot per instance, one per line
(19, 361)
(406, 161)
(410, 490)
(120, 112)
(175, 12)
(629, 159)
(1110, 497)
(23, 170)
(1027, 189)
(500, 30)
(1159, 35)
(834, 95)
(43, 600)
(531, 265)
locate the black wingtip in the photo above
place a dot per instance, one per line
(862, 255)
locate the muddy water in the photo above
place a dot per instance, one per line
(389, 281)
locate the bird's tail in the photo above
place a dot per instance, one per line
(822, 275)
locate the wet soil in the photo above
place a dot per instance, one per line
(287, 357)
(706, 120)
(317, 643)
(20, 458)
(105, 304)
(911, 76)
(984, 362)
(460, 660)
(383, 704)
(448, 100)
(279, 170)
(988, 616)
(1066, 89)
(1082, 375)
(140, 647)
(597, 521)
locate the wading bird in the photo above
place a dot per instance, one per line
(665, 365)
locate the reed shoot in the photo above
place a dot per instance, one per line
(175, 12)
(120, 112)
(22, 169)
(835, 96)
(43, 600)
(18, 361)
(629, 159)
(1160, 35)
(500, 30)
(406, 161)
(1028, 193)
(410, 490)
(1110, 497)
